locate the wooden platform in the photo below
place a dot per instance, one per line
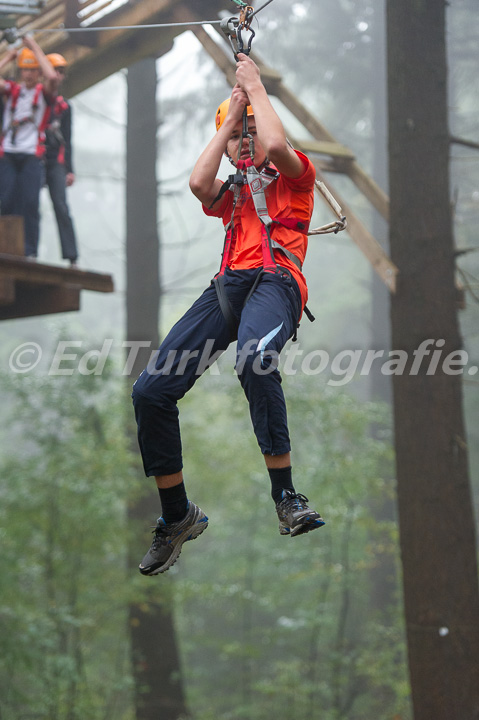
(33, 288)
(29, 288)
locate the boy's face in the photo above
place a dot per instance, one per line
(30, 76)
(235, 139)
(60, 73)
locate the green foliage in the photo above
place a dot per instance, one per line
(63, 560)
(266, 624)
(272, 626)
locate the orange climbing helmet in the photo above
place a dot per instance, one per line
(223, 111)
(57, 60)
(26, 59)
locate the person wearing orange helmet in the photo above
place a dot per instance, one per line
(257, 298)
(58, 162)
(25, 117)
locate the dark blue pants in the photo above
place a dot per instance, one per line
(56, 181)
(21, 179)
(266, 322)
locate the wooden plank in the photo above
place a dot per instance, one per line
(72, 21)
(7, 291)
(366, 184)
(465, 143)
(87, 14)
(360, 178)
(52, 16)
(141, 13)
(224, 62)
(323, 147)
(90, 67)
(33, 301)
(369, 189)
(37, 274)
(11, 235)
(101, 53)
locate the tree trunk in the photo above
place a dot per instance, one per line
(437, 534)
(155, 660)
(383, 575)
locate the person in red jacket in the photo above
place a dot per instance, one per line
(25, 118)
(257, 298)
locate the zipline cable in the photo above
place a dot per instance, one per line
(261, 8)
(61, 28)
(130, 27)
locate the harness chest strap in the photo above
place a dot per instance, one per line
(257, 182)
(257, 185)
(54, 126)
(15, 124)
(229, 232)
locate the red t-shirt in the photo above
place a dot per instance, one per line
(286, 198)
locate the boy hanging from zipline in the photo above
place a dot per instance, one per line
(257, 298)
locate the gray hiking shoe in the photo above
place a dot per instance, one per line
(169, 538)
(295, 517)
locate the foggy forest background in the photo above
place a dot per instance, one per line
(264, 627)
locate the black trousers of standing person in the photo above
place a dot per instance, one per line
(56, 181)
(21, 178)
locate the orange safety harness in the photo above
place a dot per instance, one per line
(257, 182)
(15, 124)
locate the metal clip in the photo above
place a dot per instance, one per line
(10, 35)
(241, 48)
(229, 26)
(233, 28)
(246, 16)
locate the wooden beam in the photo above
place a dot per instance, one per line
(369, 188)
(117, 49)
(36, 273)
(466, 143)
(223, 61)
(52, 16)
(112, 49)
(32, 301)
(360, 178)
(11, 235)
(7, 291)
(135, 13)
(323, 147)
(97, 65)
(95, 8)
(361, 236)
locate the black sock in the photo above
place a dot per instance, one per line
(174, 503)
(280, 480)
